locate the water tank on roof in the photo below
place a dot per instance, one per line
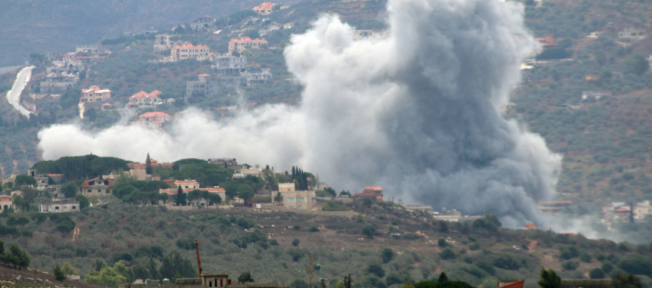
(166, 281)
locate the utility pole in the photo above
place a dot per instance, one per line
(311, 271)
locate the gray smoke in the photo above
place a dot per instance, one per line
(414, 110)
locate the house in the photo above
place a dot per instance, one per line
(256, 172)
(252, 79)
(204, 86)
(96, 187)
(286, 187)
(90, 49)
(595, 94)
(300, 200)
(56, 177)
(95, 94)
(186, 184)
(419, 207)
(244, 43)
(41, 180)
(165, 41)
(107, 106)
(60, 206)
(154, 119)
(595, 35)
(631, 34)
(548, 41)
(6, 203)
(207, 280)
(642, 211)
(530, 226)
(264, 9)
(229, 65)
(143, 98)
(511, 284)
(230, 163)
(202, 23)
(371, 191)
(189, 51)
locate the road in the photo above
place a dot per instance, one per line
(13, 96)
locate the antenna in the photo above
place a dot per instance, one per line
(198, 261)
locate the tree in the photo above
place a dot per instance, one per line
(148, 165)
(637, 65)
(596, 273)
(67, 269)
(69, 189)
(387, 255)
(442, 278)
(623, 280)
(83, 201)
(231, 189)
(181, 197)
(369, 231)
(278, 197)
(108, 276)
(549, 279)
(151, 268)
(24, 180)
(295, 242)
(245, 277)
(58, 274)
(441, 242)
(245, 192)
(376, 269)
(19, 257)
(140, 272)
(447, 254)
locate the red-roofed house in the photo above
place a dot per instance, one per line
(511, 284)
(245, 42)
(154, 119)
(143, 98)
(371, 191)
(530, 226)
(264, 9)
(186, 184)
(95, 94)
(547, 41)
(97, 187)
(189, 51)
(6, 203)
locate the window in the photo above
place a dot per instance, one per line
(291, 199)
(302, 199)
(56, 207)
(299, 207)
(73, 207)
(89, 190)
(108, 191)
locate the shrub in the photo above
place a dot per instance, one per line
(570, 265)
(474, 246)
(448, 254)
(411, 236)
(637, 265)
(606, 267)
(387, 255)
(568, 252)
(295, 242)
(506, 262)
(596, 273)
(486, 267)
(375, 269)
(586, 257)
(441, 242)
(313, 229)
(369, 231)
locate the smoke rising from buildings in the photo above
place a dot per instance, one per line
(415, 110)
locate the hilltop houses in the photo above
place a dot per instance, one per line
(244, 43)
(203, 85)
(189, 51)
(164, 42)
(95, 94)
(371, 191)
(154, 120)
(264, 9)
(97, 187)
(143, 98)
(202, 23)
(229, 65)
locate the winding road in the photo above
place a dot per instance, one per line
(13, 96)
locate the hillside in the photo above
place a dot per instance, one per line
(241, 239)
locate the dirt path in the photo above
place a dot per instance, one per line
(13, 96)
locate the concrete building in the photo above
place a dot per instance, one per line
(203, 23)
(60, 206)
(230, 163)
(189, 51)
(41, 180)
(186, 184)
(595, 94)
(264, 9)
(90, 49)
(210, 280)
(95, 94)
(631, 34)
(143, 98)
(300, 200)
(6, 203)
(165, 42)
(286, 187)
(203, 85)
(371, 191)
(419, 207)
(244, 43)
(154, 120)
(642, 211)
(252, 79)
(97, 187)
(256, 172)
(229, 65)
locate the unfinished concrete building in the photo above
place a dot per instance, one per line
(229, 65)
(202, 23)
(166, 42)
(203, 85)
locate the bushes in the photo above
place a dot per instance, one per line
(375, 269)
(568, 252)
(506, 262)
(570, 265)
(387, 255)
(596, 273)
(637, 265)
(16, 257)
(369, 231)
(448, 254)
(486, 267)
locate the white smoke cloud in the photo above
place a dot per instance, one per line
(415, 111)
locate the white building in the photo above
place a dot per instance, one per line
(631, 34)
(61, 206)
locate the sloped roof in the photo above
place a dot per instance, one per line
(189, 45)
(154, 114)
(511, 284)
(530, 226)
(247, 39)
(265, 5)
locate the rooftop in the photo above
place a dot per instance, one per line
(246, 39)
(154, 114)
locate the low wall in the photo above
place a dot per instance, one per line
(274, 208)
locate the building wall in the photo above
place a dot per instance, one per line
(99, 191)
(300, 200)
(286, 187)
(55, 207)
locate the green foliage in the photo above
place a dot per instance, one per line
(441, 242)
(15, 257)
(637, 65)
(448, 254)
(177, 164)
(81, 167)
(209, 175)
(375, 269)
(83, 201)
(638, 265)
(245, 192)
(486, 267)
(570, 265)
(174, 263)
(24, 180)
(332, 206)
(623, 280)
(387, 255)
(553, 53)
(369, 231)
(549, 279)
(69, 189)
(245, 277)
(58, 274)
(313, 229)
(507, 262)
(586, 257)
(295, 242)
(568, 252)
(597, 273)
(109, 276)
(489, 223)
(67, 269)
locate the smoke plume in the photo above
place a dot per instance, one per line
(414, 110)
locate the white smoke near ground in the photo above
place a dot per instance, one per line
(414, 110)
